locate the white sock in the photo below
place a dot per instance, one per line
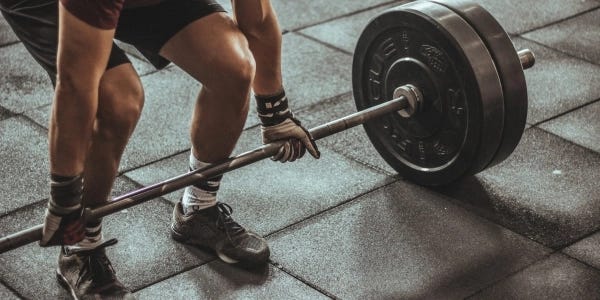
(202, 194)
(93, 238)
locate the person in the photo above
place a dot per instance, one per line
(98, 100)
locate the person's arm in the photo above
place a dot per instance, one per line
(258, 21)
(83, 52)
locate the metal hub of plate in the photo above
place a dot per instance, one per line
(460, 124)
(509, 69)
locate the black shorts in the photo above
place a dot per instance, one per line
(35, 22)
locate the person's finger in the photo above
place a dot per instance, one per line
(279, 154)
(296, 147)
(311, 146)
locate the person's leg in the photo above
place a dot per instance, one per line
(216, 53)
(121, 98)
(258, 21)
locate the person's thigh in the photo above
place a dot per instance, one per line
(214, 51)
(35, 23)
(148, 28)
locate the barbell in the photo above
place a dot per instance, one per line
(458, 101)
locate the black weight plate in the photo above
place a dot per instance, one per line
(459, 128)
(509, 68)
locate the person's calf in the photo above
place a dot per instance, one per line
(120, 105)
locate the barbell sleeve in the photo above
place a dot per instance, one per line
(527, 58)
(144, 194)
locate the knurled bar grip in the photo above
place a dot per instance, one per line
(144, 194)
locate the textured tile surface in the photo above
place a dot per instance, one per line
(145, 252)
(580, 126)
(7, 36)
(163, 128)
(547, 190)
(579, 36)
(294, 14)
(401, 242)
(570, 80)
(352, 143)
(518, 16)
(6, 294)
(24, 84)
(4, 114)
(313, 72)
(217, 280)
(586, 250)
(267, 196)
(557, 277)
(24, 167)
(343, 33)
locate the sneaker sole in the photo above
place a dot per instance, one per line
(65, 284)
(182, 239)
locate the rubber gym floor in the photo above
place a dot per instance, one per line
(345, 226)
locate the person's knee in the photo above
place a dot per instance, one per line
(119, 109)
(239, 70)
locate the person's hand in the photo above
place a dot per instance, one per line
(297, 140)
(62, 229)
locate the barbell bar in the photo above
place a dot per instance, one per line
(144, 194)
(411, 98)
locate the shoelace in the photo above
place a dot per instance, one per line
(96, 264)
(225, 221)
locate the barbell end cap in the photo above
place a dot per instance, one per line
(414, 97)
(527, 58)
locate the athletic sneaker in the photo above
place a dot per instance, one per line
(214, 228)
(88, 274)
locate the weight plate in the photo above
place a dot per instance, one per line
(509, 69)
(460, 125)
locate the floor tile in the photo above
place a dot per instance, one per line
(401, 242)
(517, 16)
(4, 114)
(267, 196)
(557, 277)
(7, 36)
(24, 167)
(6, 294)
(353, 142)
(586, 250)
(546, 190)
(344, 32)
(217, 280)
(557, 82)
(313, 72)
(25, 84)
(145, 252)
(580, 126)
(294, 14)
(579, 36)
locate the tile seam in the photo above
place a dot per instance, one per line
(570, 55)
(569, 141)
(558, 21)
(581, 106)
(331, 209)
(11, 289)
(355, 12)
(303, 280)
(491, 284)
